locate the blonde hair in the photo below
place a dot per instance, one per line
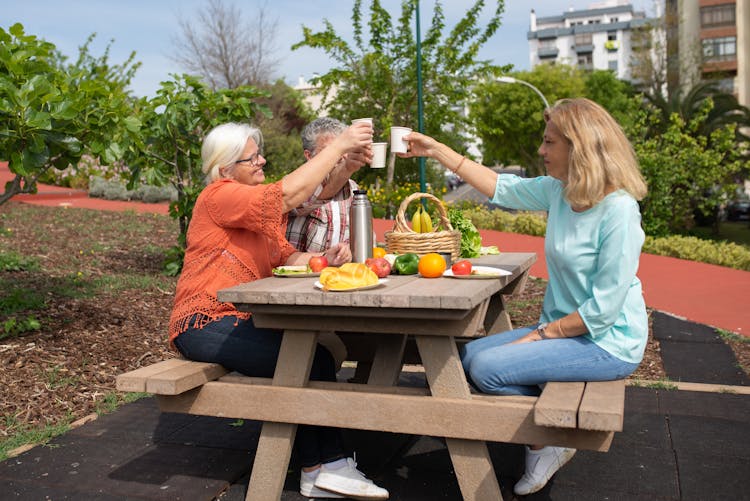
(223, 146)
(600, 154)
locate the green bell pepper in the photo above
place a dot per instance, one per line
(406, 264)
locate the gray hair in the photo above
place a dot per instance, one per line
(224, 145)
(322, 126)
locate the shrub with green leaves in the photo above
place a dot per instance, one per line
(705, 251)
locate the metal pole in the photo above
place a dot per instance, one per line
(420, 104)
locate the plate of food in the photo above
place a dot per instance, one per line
(479, 272)
(381, 281)
(294, 271)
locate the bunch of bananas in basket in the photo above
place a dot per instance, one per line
(421, 222)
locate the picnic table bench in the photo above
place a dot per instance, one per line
(434, 312)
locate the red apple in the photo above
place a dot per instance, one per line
(379, 265)
(317, 263)
(461, 268)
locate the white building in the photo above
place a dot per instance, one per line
(595, 38)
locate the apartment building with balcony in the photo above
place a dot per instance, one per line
(711, 40)
(596, 38)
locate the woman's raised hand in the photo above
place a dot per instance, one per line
(419, 145)
(357, 137)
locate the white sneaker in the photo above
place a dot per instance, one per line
(540, 466)
(348, 481)
(307, 488)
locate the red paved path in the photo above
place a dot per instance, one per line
(703, 293)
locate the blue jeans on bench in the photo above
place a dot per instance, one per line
(493, 366)
(239, 346)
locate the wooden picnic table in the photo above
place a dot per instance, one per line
(433, 311)
(436, 314)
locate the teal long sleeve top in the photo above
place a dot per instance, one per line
(592, 259)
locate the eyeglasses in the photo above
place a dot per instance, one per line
(252, 159)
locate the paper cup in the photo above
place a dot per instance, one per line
(367, 120)
(398, 145)
(378, 155)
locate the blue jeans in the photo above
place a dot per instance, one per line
(493, 366)
(239, 346)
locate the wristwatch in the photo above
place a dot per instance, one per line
(540, 330)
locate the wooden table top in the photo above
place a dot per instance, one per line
(410, 292)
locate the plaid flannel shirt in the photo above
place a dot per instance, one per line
(319, 224)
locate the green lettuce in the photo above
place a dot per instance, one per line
(471, 240)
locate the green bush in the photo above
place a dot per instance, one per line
(705, 251)
(726, 254)
(111, 189)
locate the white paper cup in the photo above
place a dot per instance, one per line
(378, 155)
(398, 145)
(366, 120)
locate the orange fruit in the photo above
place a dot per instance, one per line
(378, 252)
(431, 265)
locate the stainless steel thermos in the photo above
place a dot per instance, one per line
(360, 227)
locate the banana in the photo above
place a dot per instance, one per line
(416, 220)
(426, 226)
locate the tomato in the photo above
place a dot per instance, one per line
(461, 267)
(379, 265)
(317, 263)
(431, 265)
(378, 252)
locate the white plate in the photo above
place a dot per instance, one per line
(381, 281)
(293, 271)
(480, 272)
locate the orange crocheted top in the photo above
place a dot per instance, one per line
(236, 235)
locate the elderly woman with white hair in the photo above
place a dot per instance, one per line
(236, 235)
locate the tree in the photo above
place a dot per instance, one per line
(281, 130)
(52, 113)
(686, 172)
(169, 150)
(376, 77)
(225, 51)
(509, 118)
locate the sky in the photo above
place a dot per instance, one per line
(149, 28)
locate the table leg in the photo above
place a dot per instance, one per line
(471, 459)
(276, 439)
(389, 355)
(497, 318)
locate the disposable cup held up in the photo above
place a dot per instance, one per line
(398, 145)
(366, 120)
(378, 155)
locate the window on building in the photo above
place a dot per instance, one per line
(718, 15)
(547, 43)
(611, 35)
(595, 21)
(614, 19)
(583, 39)
(719, 49)
(612, 65)
(586, 60)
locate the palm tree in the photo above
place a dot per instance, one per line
(726, 110)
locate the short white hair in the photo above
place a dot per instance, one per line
(223, 146)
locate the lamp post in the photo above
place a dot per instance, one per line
(420, 102)
(511, 80)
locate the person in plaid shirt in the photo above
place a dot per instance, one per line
(323, 220)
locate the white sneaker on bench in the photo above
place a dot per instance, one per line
(348, 481)
(540, 466)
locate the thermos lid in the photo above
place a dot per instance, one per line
(360, 192)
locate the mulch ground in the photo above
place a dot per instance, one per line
(106, 310)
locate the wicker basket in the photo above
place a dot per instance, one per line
(403, 239)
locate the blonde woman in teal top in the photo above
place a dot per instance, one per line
(593, 325)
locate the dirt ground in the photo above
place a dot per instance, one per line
(105, 310)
